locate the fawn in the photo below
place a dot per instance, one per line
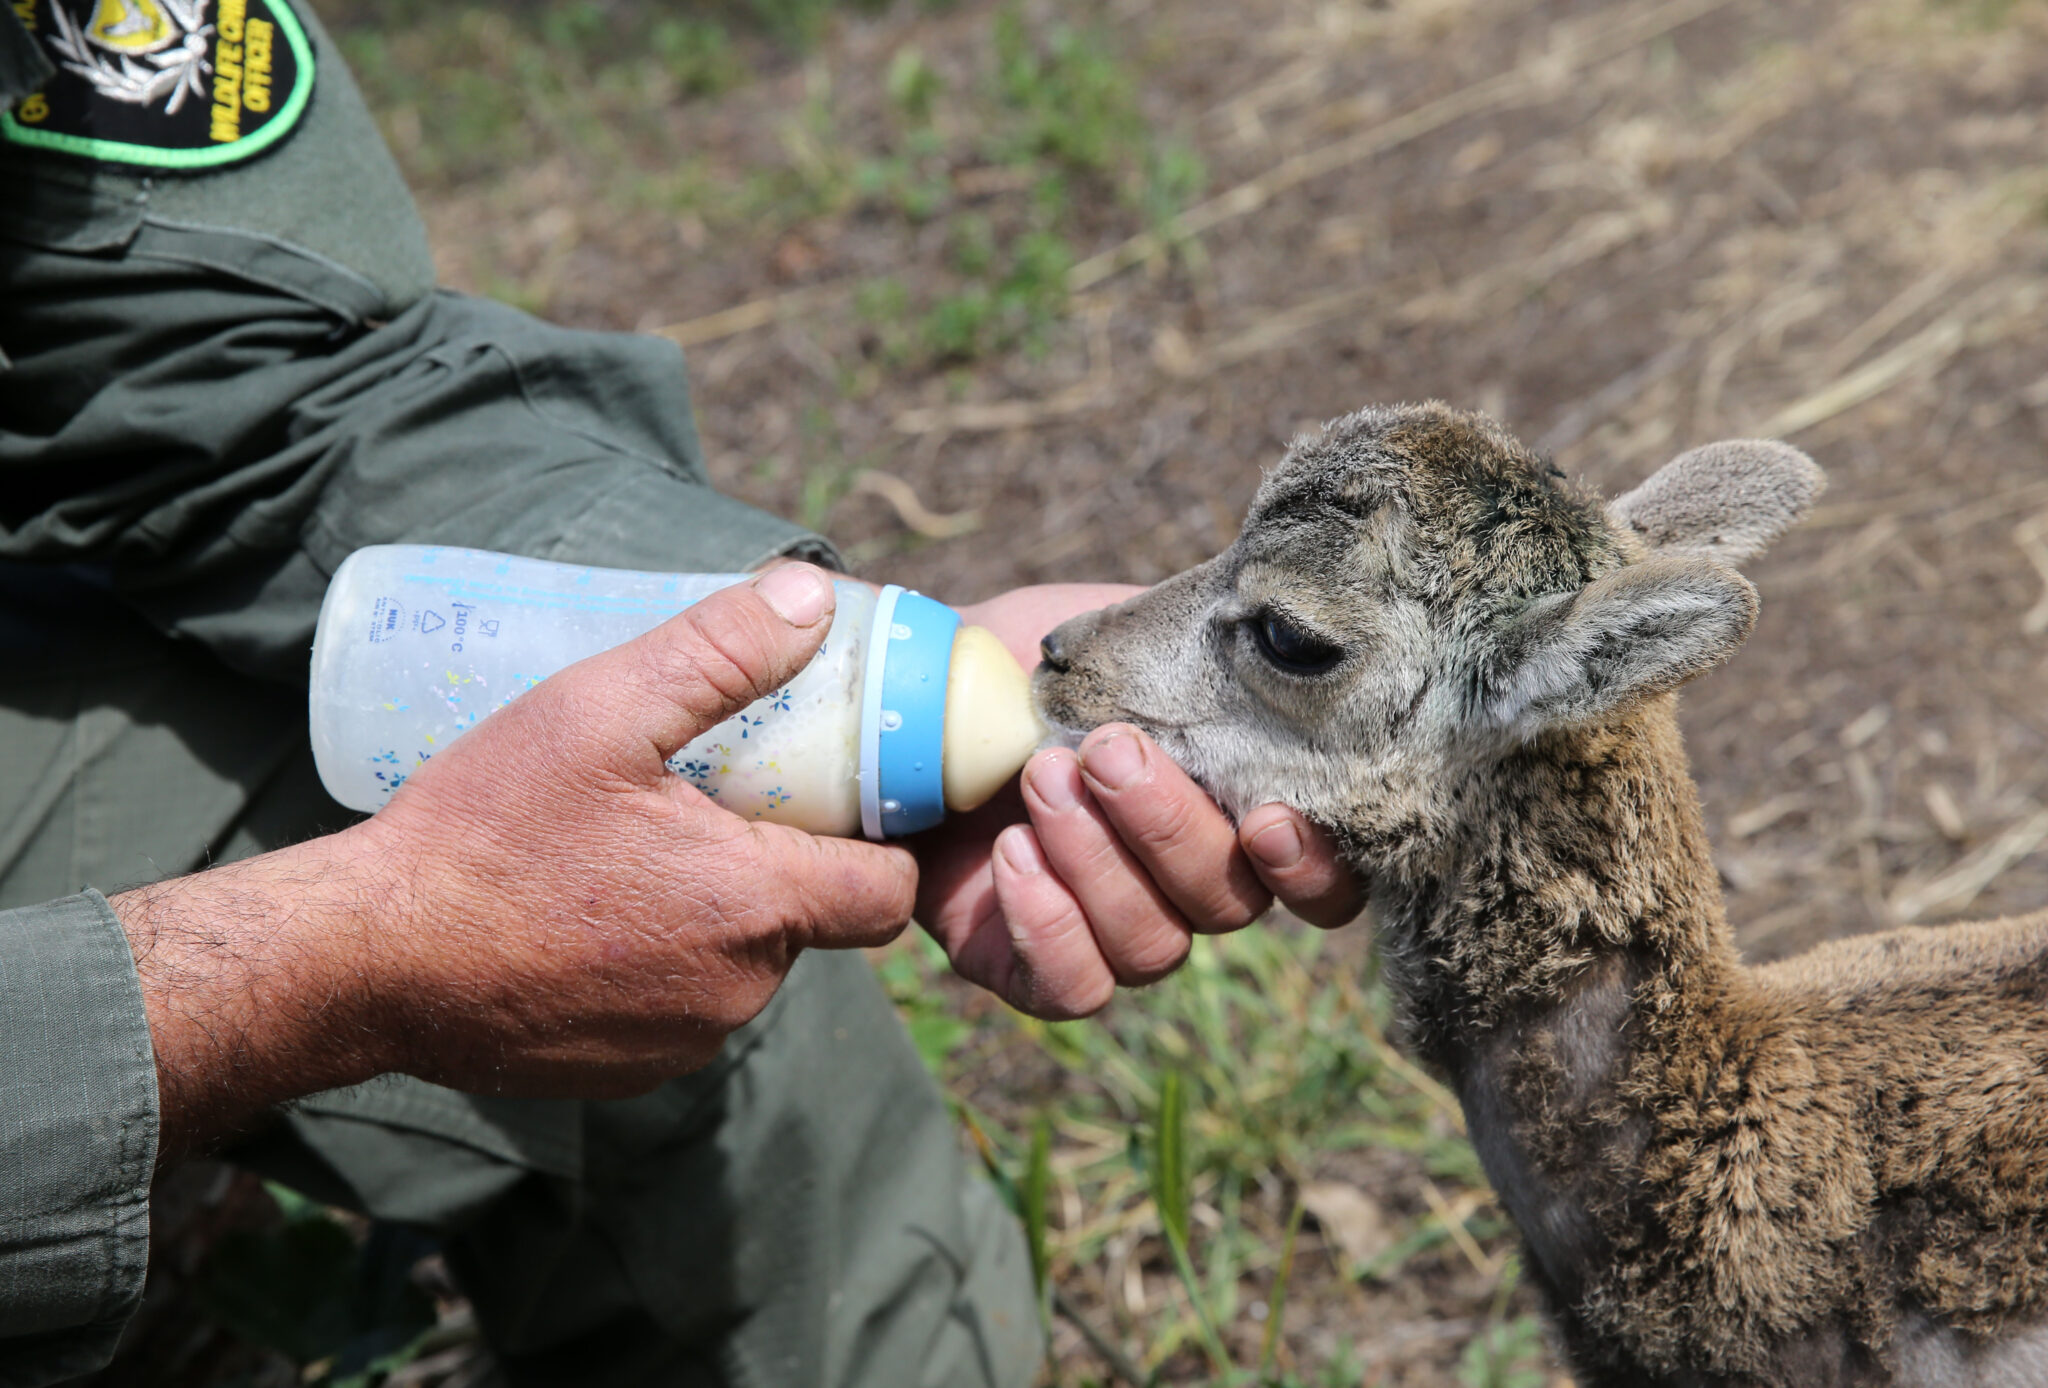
(1828, 1171)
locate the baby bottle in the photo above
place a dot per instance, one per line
(903, 714)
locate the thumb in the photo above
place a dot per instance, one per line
(715, 657)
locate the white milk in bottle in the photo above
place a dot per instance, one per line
(902, 715)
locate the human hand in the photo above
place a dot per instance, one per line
(1101, 865)
(541, 908)
(612, 924)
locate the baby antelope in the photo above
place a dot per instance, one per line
(1828, 1171)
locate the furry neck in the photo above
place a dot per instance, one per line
(1577, 863)
(1569, 929)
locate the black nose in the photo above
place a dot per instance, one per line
(1049, 651)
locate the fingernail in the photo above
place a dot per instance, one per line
(1116, 761)
(1019, 847)
(1057, 781)
(798, 593)
(1278, 845)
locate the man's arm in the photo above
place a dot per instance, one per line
(252, 981)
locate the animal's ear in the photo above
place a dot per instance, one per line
(1724, 500)
(1638, 630)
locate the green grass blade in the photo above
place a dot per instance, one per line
(1276, 1305)
(1212, 1339)
(1171, 1195)
(1037, 1177)
(1169, 1158)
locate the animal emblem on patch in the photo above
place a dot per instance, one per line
(141, 26)
(138, 51)
(164, 84)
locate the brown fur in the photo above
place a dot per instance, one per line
(1832, 1170)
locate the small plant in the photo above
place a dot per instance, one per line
(934, 1023)
(1507, 1354)
(973, 244)
(697, 54)
(914, 86)
(1035, 290)
(1980, 15)
(1037, 1182)
(1174, 177)
(955, 329)
(822, 176)
(984, 317)
(575, 29)
(1276, 1302)
(798, 23)
(468, 91)
(913, 182)
(883, 308)
(1075, 102)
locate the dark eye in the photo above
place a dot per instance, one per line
(1291, 648)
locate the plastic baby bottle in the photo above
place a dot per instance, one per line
(903, 714)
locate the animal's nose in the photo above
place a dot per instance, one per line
(1050, 652)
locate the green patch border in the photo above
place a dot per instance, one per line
(149, 156)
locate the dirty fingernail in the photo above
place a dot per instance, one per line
(1019, 847)
(1278, 845)
(1057, 781)
(1116, 761)
(797, 592)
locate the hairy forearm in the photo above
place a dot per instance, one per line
(253, 983)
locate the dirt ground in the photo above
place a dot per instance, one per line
(1622, 228)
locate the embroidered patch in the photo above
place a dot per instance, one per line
(165, 84)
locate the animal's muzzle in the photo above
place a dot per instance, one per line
(1051, 651)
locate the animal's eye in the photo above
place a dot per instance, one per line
(1291, 648)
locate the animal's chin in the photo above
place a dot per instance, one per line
(1060, 735)
(1065, 729)
(1071, 719)
(1222, 775)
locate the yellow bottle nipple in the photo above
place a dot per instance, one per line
(991, 727)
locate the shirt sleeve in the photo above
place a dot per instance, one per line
(212, 445)
(78, 1129)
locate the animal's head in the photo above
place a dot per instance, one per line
(1414, 595)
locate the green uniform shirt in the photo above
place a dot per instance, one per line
(213, 387)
